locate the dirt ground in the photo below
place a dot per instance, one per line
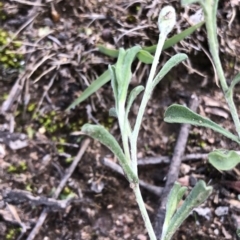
(39, 140)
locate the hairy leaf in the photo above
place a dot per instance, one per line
(172, 62)
(174, 198)
(196, 197)
(132, 96)
(108, 51)
(234, 82)
(224, 160)
(123, 70)
(145, 57)
(114, 84)
(103, 136)
(180, 114)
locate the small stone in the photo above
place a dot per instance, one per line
(221, 211)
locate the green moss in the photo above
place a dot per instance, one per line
(28, 187)
(12, 169)
(31, 107)
(67, 193)
(60, 149)
(20, 167)
(9, 59)
(107, 122)
(62, 140)
(12, 233)
(30, 132)
(69, 160)
(202, 144)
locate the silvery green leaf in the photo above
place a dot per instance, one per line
(119, 65)
(196, 197)
(103, 136)
(234, 82)
(114, 84)
(173, 200)
(180, 114)
(123, 70)
(145, 56)
(172, 62)
(188, 2)
(107, 51)
(224, 160)
(132, 96)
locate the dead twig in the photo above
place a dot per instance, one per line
(64, 180)
(115, 167)
(13, 95)
(45, 93)
(173, 172)
(18, 196)
(166, 159)
(30, 3)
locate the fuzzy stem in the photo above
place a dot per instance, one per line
(146, 96)
(143, 211)
(210, 15)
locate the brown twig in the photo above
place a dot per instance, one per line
(13, 95)
(115, 167)
(64, 180)
(166, 159)
(18, 196)
(173, 172)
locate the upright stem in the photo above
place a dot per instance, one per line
(124, 132)
(143, 211)
(213, 45)
(146, 96)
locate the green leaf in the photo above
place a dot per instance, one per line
(145, 57)
(196, 197)
(108, 51)
(132, 96)
(175, 39)
(234, 82)
(224, 160)
(103, 136)
(180, 114)
(174, 198)
(114, 84)
(187, 2)
(172, 62)
(99, 82)
(123, 70)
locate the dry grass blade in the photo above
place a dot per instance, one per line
(39, 64)
(36, 4)
(44, 73)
